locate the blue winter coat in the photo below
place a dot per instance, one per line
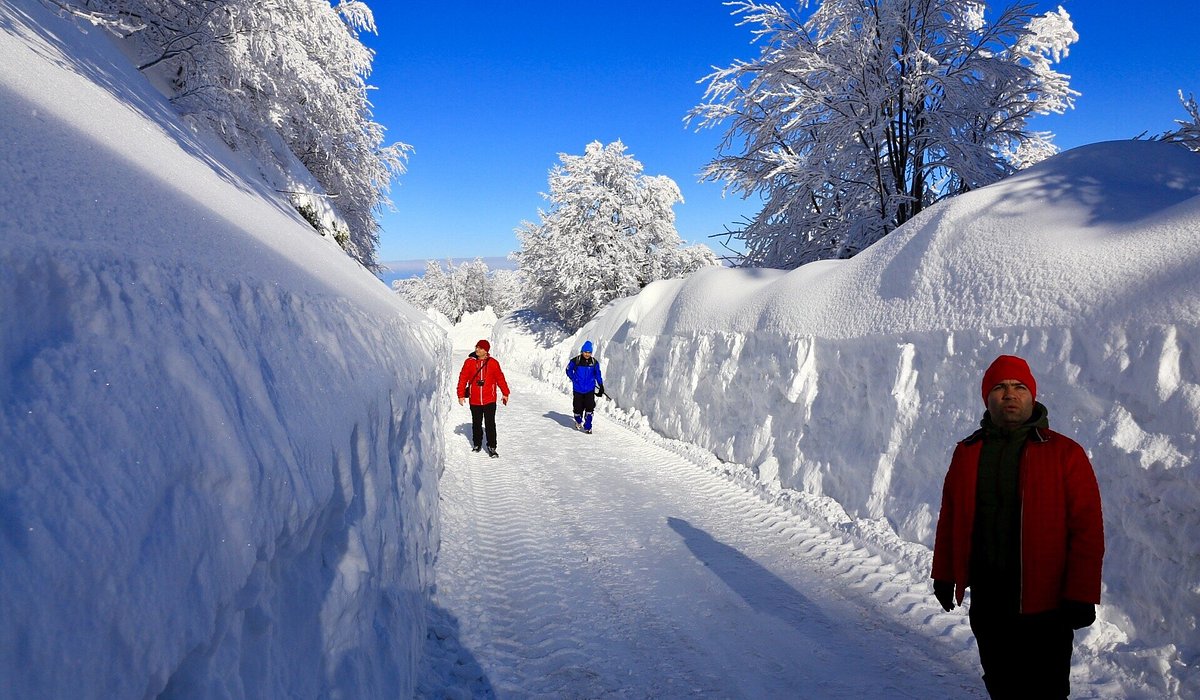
(585, 374)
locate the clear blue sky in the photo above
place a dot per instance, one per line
(490, 100)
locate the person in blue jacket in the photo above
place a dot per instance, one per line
(587, 383)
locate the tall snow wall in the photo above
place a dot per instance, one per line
(219, 436)
(852, 380)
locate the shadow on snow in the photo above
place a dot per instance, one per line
(762, 590)
(561, 418)
(447, 665)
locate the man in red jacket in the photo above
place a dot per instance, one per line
(1021, 526)
(477, 382)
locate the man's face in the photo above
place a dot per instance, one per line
(586, 355)
(1010, 404)
(480, 353)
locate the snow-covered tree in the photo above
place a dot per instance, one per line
(1188, 133)
(506, 291)
(858, 114)
(265, 71)
(462, 289)
(610, 231)
(428, 291)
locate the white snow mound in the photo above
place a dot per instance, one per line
(220, 435)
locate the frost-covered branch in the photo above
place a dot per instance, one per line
(116, 23)
(858, 114)
(1188, 133)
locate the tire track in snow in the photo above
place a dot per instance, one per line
(606, 565)
(506, 556)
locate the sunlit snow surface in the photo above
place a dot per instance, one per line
(221, 441)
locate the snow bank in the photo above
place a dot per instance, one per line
(853, 379)
(220, 435)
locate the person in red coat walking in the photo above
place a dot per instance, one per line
(1020, 526)
(477, 382)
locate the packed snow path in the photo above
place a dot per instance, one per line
(604, 565)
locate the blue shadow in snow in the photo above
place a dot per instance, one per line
(762, 590)
(448, 669)
(561, 418)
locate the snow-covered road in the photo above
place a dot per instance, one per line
(606, 565)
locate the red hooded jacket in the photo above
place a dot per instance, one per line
(1062, 529)
(486, 370)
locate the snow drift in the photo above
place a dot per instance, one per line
(850, 381)
(220, 436)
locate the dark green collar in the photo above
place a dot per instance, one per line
(1035, 429)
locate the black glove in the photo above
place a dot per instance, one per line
(600, 391)
(944, 592)
(1078, 614)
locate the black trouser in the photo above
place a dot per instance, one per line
(1023, 656)
(584, 405)
(481, 416)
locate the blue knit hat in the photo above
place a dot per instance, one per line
(587, 346)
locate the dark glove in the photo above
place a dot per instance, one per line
(600, 391)
(1078, 614)
(944, 592)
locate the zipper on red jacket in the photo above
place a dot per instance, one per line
(479, 377)
(1021, 530)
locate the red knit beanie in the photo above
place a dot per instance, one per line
(485, 345)
(1008, 367)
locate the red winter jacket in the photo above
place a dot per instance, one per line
(474, 370)
(1062, 530)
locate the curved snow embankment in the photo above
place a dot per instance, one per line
(210, 487)
(219, 436)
